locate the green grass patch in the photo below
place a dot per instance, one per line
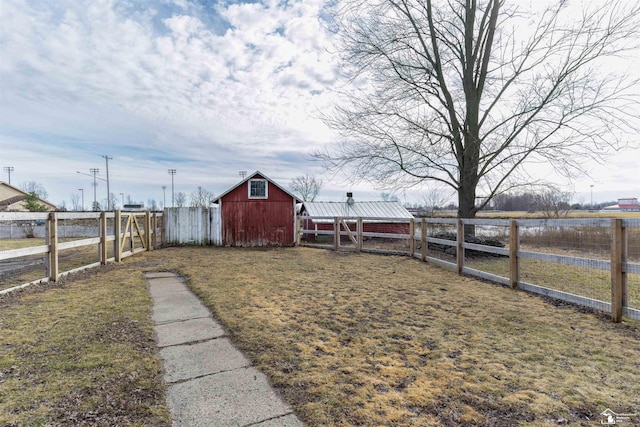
(81, 353)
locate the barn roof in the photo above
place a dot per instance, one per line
(370, 210)
(252, 176)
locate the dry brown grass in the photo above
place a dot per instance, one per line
(358, 339)
(81, 353)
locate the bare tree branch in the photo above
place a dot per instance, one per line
(457, 93)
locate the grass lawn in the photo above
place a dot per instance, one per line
(360, 339)
(68, 259)
(348, 339)
(81, 353)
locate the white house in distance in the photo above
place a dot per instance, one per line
(13, 199)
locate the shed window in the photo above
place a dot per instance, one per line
(258, 189)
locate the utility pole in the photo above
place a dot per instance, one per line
(172, 172)
(8, 170)
(591, 196)
(82, 198)
(94, 172)
(242, 174)
(164, 196)
(107, 158)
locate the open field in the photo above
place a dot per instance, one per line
(81, 353)
(570, 214)
(348, 339)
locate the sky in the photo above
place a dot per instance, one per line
(206, 88)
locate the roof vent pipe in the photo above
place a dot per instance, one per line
(350, 200)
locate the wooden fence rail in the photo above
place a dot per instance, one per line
(619, 265)
(140, 233)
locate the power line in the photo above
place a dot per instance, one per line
(172, 172)
(8, 170)
(94, 172)
(107, 158)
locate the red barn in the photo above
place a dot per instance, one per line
(257, 212)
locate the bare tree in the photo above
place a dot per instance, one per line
(389, 197)
(114, 201)
(458, 93)
(306, 186)
(553, 203)
(201, 197)
(75, 202)
(152, 204)
(33, 187)
(433, 199)
(180, 199)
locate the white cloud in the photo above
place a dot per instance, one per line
(101, 70)
(207, 89)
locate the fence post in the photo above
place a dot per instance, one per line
(103, 237)
(147, 230)
(47, 241)
(514, 246)
(423, 239)
(132, 229)
(154, 235)
(459, 247)
(298, 230)
(618, 253)
(53, 272)
(163, 228)
(412, 240)
(117, 248)
(336, 233)
(359, 234)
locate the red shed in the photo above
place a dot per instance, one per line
(257, 212)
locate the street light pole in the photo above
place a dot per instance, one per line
(107, 158)
(82, 194)
(172, 172)
(8, 170)
(94, 172)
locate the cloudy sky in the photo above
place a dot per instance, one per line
(206, 88)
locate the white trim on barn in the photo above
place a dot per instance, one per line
(219, 198)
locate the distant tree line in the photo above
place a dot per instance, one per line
(544, 201)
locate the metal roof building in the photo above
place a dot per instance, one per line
(368, 210)
(377, 217)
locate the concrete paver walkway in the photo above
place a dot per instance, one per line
(210, 383)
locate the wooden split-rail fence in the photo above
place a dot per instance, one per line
(348, 233)
(120, 234)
